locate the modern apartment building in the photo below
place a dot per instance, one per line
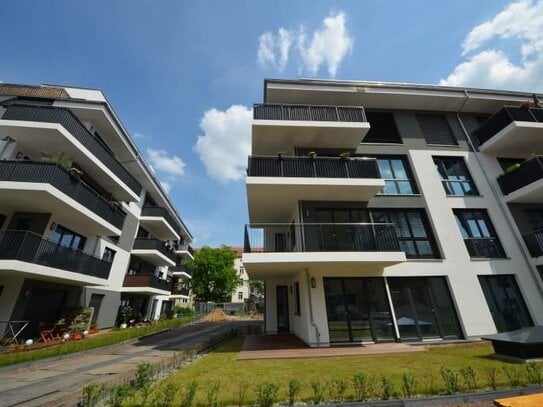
(395, 212)
(83, 220)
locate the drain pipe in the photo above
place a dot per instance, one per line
(497, 196)
(311, 320)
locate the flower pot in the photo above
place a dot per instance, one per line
(76, 336)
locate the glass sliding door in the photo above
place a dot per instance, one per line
(358, 310)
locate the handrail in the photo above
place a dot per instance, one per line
(528, 172)
(275, 111)
(158, 211)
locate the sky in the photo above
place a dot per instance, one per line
(183, 75)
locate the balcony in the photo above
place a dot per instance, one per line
(47, 187)
(27, 253)
(512, 130)
(185, 251)
(276, 184)
(279, 127)
(153, 251)
(485, 247)
(275, 249)
(159, 223)
(181, 271)
(146, 283)
(534, 242)
(524, 184)
(54, 130)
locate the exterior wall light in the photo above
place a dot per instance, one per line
(313, 282)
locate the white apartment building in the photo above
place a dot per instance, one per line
(395, 212)
(83, 220)
(242, 291)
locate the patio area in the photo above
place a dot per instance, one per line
(288, 346)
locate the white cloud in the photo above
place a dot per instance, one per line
(166, 185)
(326, 47)
(164, 163)
(226, 142)
(521, 21)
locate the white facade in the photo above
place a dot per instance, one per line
(462, 269)
(242, 292)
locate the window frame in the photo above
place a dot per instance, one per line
(407, 168)
(466, 228)
(297, 309)
(397, 140)
(427, 134)
(439, 161)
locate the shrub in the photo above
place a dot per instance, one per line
(119, 394)
(190, 393)
(336, 389)
(242, 393)
(144, 379)
(213, 394)
(492, 377)
(408, 384)
(387, 388)
(512, 373)
(450, 379)
(363, 386)
(533, 373)
(166, 396)
(318, 391)
(293, 390)
(91, 395)
(470, 378)
(266, 394)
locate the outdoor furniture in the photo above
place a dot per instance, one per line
(13, 330)
(46, 334)
(525, 343)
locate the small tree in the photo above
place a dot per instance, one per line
(214, 277)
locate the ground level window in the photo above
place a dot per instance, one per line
(505, 302)
(240, 295)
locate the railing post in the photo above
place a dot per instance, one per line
(337, 113)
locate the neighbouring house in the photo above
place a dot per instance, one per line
(83, 220)
(395, 212)
(242, 292)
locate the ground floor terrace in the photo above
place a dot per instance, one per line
(326, 309)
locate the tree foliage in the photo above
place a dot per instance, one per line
(214, 277)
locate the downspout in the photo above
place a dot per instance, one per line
(497, 196)
(311, 319)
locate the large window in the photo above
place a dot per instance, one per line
(436, 129)
(397, 175)
(67, 238)
(478, 233)
(382, 128)
(414, 234)
(505, 302)
(455, 176)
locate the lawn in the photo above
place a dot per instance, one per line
(222, 366)
(103, 339)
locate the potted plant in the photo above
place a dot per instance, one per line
(280, 154)
(312, 155)
(345, 155)
(126, 314)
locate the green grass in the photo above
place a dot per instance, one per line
(222, 366)
(103, 339)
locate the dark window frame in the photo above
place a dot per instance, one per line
(473, 243)
(455, 179)
(297, 309)
(394, 138)
(408, 170)
(428, 129)
(63, 232)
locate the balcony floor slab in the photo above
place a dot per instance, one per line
(154, 257)
(516, 139)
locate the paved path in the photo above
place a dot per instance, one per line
(59, 382)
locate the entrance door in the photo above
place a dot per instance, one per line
(282, 309)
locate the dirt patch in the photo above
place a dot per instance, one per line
(219, 315)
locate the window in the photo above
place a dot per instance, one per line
(382, 128)
(455, 176)
(240, 295)
(297, 310)
(436, 129)
(412, 230)
(397, 175)
(67, 238)
(109, 254)
(478, 233)
(241, 270)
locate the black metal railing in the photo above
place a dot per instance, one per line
(489, 247)
(144, 243)
(177, 289)
(158, 211)
(181, 268)
(66, 118)
(503, 118)
(315, 167)
(185, 248)
(534, 242)
(320, 237)
(528, 172)
(146, 280)
(317, 113)
(64, 181)
(30, 247)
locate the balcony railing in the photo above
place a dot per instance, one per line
(484, 247)
(64, 181)
(534, 242)
(317, 167)
(157, 211)
(30, 247)
(179, 290)
(186, 248)
(529, 171)
(144, 243)
(146, 280)
(317, 113)
(503, 118)
(66, 118)
(320, 237)
(180, 269)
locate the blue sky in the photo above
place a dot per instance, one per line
(183, 75)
